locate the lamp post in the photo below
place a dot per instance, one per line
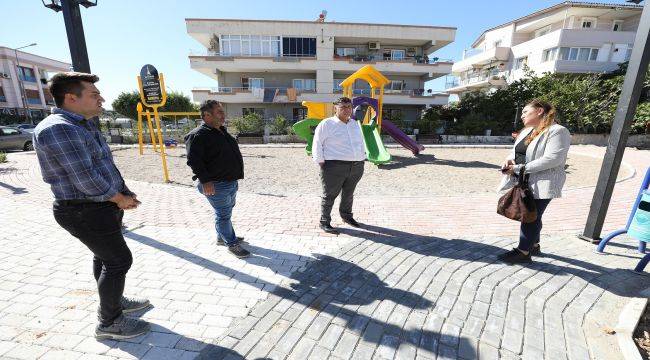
(74, 29)
(21, 85)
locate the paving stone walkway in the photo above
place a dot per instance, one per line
(419, 281)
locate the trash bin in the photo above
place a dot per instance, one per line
(640, 226)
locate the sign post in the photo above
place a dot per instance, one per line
(153, 95)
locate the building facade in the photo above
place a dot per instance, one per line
(27, 76)
(270, 67)
(570, 37)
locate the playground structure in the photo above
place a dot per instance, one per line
(638, 224)
(371, 121)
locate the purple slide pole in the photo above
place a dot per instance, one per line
(401, 137)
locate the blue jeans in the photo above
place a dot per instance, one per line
(223, 201)
(529, 232)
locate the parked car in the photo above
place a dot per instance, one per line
(12, 138)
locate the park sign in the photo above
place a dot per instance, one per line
(152, 89)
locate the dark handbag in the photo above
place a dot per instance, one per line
(518, 203)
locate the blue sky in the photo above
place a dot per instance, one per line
(123, 35)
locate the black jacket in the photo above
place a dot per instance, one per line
(213, 155)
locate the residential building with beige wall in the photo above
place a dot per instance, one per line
(570, 37)
(270, 67)
(33, 73)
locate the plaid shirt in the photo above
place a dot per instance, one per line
(75, 159)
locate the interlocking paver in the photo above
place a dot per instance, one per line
(416, 282)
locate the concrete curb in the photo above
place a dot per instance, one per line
(627, 322)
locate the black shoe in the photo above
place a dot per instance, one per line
(536, 250)
(238, 251)
(122, 328)
(351, 222)
(329, 229)
(220, 241)
(133, 304)
(514, 256)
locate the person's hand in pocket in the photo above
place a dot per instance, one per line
(208, 188)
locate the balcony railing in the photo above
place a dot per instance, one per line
(27, 78)
(476, 78)
(206, 52)
(34, 101)
(407, 59)
(233, 90)
(471, 52)
(411, 92)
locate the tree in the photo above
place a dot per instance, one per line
(127, 102)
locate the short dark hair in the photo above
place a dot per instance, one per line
(207, 105)
(343, 100)
(69, 83)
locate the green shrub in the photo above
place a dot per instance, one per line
(280, 126)
(249, 124)
(3, 157)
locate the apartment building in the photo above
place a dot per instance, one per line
(570, 37)
(270, 67)
(29, 73)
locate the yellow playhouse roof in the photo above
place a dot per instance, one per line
(369, 74)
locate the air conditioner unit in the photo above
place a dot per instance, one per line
(373, 45)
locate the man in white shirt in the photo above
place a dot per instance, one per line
(339, 149)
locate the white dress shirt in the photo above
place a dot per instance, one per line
(336, 140)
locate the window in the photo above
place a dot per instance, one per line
(588, 23)
(397, 54)
(549, 54)
(249, 45)
(617, 25)
(33, 97)
(2, 95)
(628, 54)
(299, 114)
(304, 84)
(543, 31)
(255, 83)
(346, 51)
(520, 62)
(337, 85)
(578, 54)
(391, 114)
(396, 85)
(497, 43)
(248, 111)
(26, 74)
(296, 46)
(9, 131)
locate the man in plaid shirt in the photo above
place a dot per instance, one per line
(90, 195)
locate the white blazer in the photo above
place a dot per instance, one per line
(545, 161)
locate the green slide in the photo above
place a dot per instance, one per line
(305, 130)
(375, 150)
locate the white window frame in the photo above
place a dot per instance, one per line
(346, 51)
(593, 53)
(246, 45)
(593, 20)
(251, 83)
(497, 43)
(394, 51)
(549, 54)
(304, 84)
(619, 23)
(543, 31)
(396, 85)
(520, 62)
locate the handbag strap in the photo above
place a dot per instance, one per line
(522, 178)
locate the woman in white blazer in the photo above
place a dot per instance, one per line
(541, 150)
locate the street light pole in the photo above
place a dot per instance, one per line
(76, 39)
(21, 85)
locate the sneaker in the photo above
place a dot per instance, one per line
(122, 328)
(514, 256)
(329, 229)
(536, 250)
(238, 251)
(220, 241)
(133, 304)
(351, 222)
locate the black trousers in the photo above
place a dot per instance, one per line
(529, 232)
(339, 177)
(99, 226)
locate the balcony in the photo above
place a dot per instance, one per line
(27, 78)
(476, 81)
(236, 95)
(482, 58)
(34, 101)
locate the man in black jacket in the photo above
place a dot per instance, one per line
(217, 163)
